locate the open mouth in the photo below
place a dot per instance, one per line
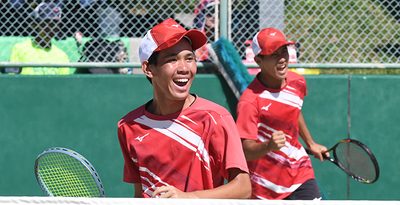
(181, 82)
(281, 67)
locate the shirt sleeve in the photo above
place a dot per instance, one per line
(247, 120)
(131, 169)
(227, 144)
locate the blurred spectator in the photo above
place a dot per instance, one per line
(81, 16)
(137, 19)
(109, 21)
(94, 18)
(249, 58)
(86, 3)
(40, 49)
(205, 18)
(243, 28)
(103, 50)
(205, 21)
(16, 3)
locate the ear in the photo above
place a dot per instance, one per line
(257, 59)
(146, 68)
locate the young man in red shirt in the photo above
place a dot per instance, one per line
(179, 145)
(269, 120)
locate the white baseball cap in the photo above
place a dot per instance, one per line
(166, 34)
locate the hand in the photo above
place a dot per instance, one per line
(170, 192)
(277, 141)
(78, 37)
(123, 70)
(319, 151)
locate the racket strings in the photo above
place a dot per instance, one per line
(63, 175)
(356, 160)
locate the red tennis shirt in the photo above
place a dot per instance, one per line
(261, 111)
(191, 150)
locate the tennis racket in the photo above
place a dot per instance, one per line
(355, 159)
(63, 172)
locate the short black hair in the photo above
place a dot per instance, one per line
(153, 58)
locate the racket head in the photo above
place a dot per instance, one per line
(357, 160)
(63, 172)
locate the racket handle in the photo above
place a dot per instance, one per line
(308, 151)
(323, 154)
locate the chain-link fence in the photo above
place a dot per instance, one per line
(326, 31)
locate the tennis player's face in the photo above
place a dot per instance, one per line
(174, 72)
(275, 65)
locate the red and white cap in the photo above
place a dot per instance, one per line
(166, 34)
(268, 40)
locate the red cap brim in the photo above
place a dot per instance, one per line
(197, 38)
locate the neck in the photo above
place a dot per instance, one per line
(43, 43)
(271, 82)
(171, 107)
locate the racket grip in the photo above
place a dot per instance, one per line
(308, 151)
(323, 154)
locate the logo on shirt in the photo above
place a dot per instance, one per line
(140, 138)
(266, 108)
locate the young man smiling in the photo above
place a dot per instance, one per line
(270, 121)
(179, 145)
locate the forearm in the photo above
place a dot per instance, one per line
(238, 188)
(254, 150)
(314, 147)
(138, 190)
(304, 132)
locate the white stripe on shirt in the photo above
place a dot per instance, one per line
(285, 97)
(272, 129)
(274, 187)
(145, 188)
(290, 151)
(178, 133)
